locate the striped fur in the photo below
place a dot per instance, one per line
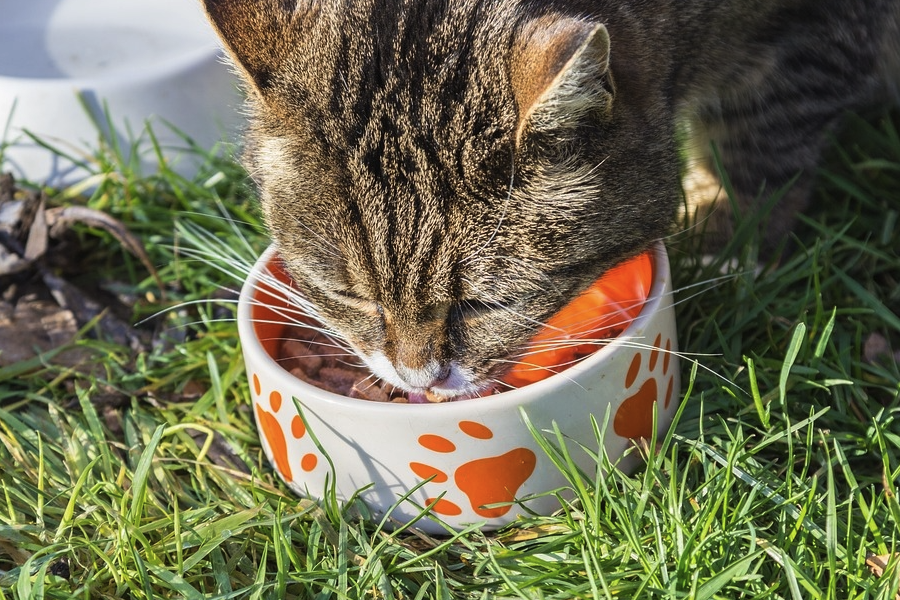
(442, 176)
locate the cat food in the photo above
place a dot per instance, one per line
(595, 317)
(312, 357)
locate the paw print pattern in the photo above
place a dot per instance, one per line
(484, 481)
(634, 418)
(275, 434)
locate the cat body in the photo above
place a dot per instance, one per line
(440, 177)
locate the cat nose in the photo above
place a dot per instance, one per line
(442, 375)
(427, 376)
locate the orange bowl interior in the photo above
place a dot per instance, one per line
(268, 307)
(599, 314)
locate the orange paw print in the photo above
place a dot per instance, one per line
(634, 418)
(484, 481)
(275, 435)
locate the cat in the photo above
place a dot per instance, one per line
(441, 177)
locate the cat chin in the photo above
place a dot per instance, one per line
(458, 383)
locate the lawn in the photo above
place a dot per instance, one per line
(131, 468)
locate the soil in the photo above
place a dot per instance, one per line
(45, 296)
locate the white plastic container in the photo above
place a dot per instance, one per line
(66, 64)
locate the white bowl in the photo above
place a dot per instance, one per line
(483, 456)
(156, 60)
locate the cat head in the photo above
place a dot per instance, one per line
(442, 177)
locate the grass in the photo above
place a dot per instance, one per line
(142, 477)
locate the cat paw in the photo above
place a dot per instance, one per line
(484, 482)
(644, 382)
(267, 414)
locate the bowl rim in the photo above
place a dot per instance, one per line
(510, 399)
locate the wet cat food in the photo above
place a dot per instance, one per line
(314, 358)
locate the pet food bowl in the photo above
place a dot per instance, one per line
(71, 68)
(472, 461)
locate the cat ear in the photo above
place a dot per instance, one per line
(258, 34)
(560, 71)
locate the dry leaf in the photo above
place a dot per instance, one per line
(38, 236)
(877, 563)
(61, 218)
(877, 349)
(531, 533)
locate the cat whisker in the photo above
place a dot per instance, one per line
(328, 343)
(292, 313)
(332, 248)
(289, 305)
(334, 341)
(503, 210)
(185, 304)
(206, 245)
(565, 341)
(626, 306)
(561, 366)
(233, 269)
(495, 383)
(536, 367)
(589, 175)
(283, 359)
(370, 381)
(282, 293)
(236, 226)
(626, 342)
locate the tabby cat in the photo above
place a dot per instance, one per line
(441, 176)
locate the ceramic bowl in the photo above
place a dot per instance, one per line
(472, 461)
(67, 64)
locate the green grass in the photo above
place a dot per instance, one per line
(143, 477)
